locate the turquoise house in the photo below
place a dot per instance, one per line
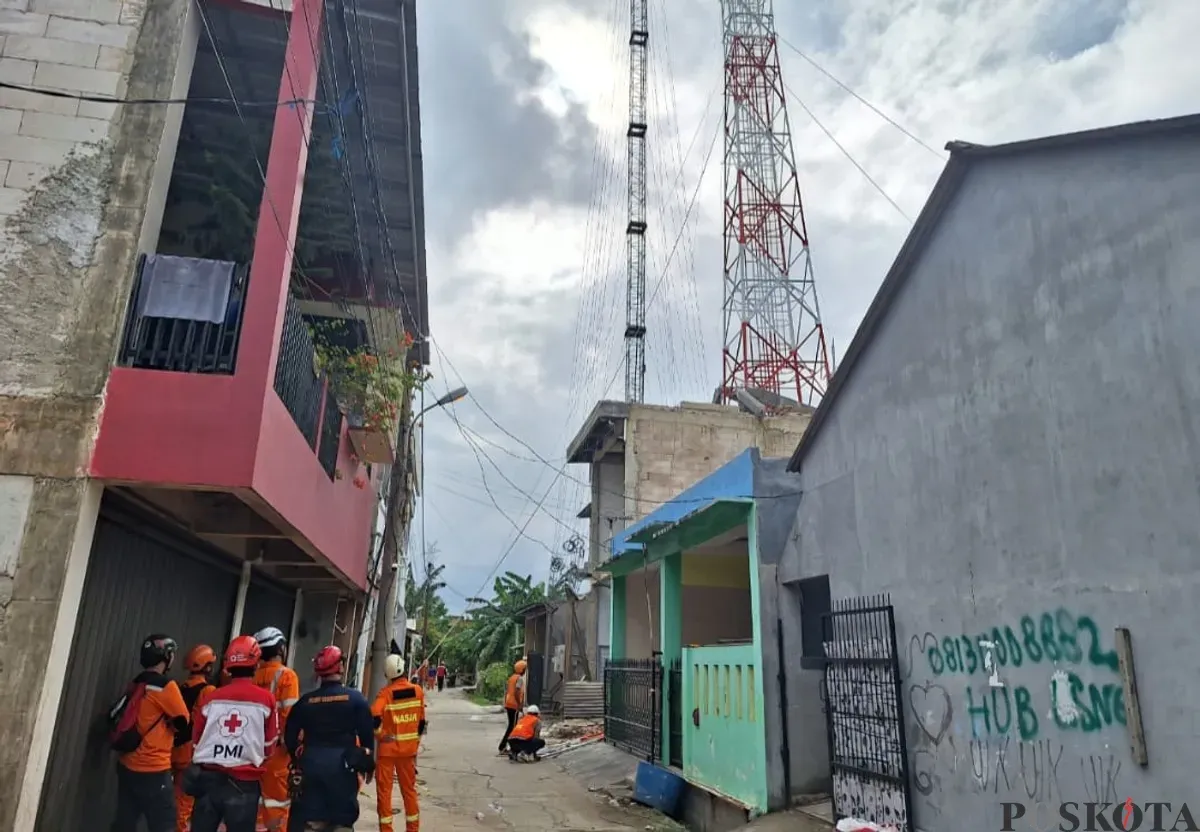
(686, 596)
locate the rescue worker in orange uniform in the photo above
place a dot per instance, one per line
(526, 741)
(399, 712)
(200, 662)
(514, 700)
(283, 683)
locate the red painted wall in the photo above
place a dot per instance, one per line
(335, 516)
(232, 432)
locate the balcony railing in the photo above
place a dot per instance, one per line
(296, 379)
(185, 315)
(331, 434)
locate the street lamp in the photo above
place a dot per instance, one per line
(385, 606)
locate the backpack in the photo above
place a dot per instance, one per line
(191, 695)
(123, 734)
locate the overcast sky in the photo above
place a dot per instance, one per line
(523, 121)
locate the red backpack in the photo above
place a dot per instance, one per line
(123, 734)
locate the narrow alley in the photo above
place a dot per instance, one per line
(466, 786)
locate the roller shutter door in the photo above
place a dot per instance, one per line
(140, 579)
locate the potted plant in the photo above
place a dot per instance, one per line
(370, 387)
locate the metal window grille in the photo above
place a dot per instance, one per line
(331, 434)
(296, 379)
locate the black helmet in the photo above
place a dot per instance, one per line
(158, 648)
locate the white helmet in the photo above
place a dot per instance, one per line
(393, 667)
(270, 637)
(533, 709)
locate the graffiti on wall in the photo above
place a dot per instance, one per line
(979, 726)
(1067, 700)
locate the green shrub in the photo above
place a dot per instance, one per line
(492, 681)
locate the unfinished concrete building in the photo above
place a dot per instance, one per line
(640, 456)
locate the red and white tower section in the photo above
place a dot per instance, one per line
(774, 340)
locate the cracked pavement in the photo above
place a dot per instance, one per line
(468, 787)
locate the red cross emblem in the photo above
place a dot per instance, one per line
(232, 725)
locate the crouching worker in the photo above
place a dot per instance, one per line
(526, 741)
(399, 712)
(329, 735)
(234, 729)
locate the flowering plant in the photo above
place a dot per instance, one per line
(371, 386)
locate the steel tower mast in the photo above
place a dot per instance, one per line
(635, 231)
(774, 339)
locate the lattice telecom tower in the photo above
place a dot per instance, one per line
(774, 340)
(635, 231)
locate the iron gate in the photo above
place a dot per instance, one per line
(675, 712)
(633, 706)
(868, 755)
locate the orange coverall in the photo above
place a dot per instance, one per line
(181, 756)
(283, 682)
(399, 712)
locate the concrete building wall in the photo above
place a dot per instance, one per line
(671, 448)
(608, 505)
(642, 614)
(1015, 460)
(79, 186)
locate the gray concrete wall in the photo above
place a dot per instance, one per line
(608, 505)
(796, 762)
(1015, 459)
(78, 194)
(314, 630)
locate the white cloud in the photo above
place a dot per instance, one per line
(506, 301)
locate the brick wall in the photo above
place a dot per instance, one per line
(74, 46)
(77, 179)
(669, 449)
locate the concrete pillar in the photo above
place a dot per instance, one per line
(670, 623)
(49, 559)
(616, 620)
(88, 195)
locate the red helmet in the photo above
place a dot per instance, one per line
(200, 657)
(328, 662)
(243, 651)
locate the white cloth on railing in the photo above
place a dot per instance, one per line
(186, 288)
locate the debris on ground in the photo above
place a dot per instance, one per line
(856, 825)
(554, 749)
(567, 734)
(568, 729)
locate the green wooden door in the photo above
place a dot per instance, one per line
(724, 744)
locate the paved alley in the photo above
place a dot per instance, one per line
(467, 787)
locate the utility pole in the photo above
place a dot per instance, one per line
(399, 504)
(425, 593)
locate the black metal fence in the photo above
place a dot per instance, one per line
(675, 713)
(867, 749)
(296, 379)
(331, 434)
(633, 706)
(154, 343)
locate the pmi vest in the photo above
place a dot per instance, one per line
(234, 734)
